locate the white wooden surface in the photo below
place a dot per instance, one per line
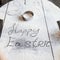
(45, 16)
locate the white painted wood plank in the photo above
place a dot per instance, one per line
(37, 22)
(52, 14)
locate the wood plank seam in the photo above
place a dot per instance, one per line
(47, 29)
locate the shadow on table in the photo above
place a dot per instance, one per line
(56, 2)
(1, 26)
(2, 2)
